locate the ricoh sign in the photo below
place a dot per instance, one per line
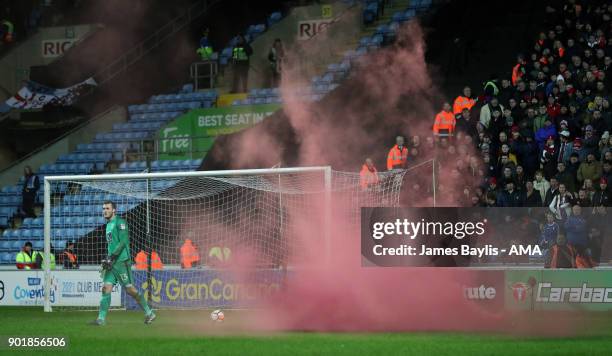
(57, 47)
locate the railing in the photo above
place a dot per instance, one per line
(203, 73)
(134, 54)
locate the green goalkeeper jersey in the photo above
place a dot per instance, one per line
(118, 239)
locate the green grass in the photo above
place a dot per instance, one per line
(192, 333)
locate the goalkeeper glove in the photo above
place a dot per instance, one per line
(107, 264)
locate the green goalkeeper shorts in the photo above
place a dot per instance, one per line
(120, 273)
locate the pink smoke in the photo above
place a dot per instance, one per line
(392, 90)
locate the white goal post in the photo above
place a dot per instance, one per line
(222, 212)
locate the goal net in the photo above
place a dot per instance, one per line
(189, 232)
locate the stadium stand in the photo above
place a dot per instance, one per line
(82, 209)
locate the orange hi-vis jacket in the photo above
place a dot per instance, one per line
(189, 254)
(397, 158)
(462, 102)
(142, 264)
(444, 121)
(368, 177)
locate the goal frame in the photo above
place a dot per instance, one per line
(48, 180)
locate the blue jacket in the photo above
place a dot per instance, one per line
(542, 134)
(576, 230)
(549, 235)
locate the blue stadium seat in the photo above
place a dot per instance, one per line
(38, 245)
(5, 245)
(17, 244)
(38, 233)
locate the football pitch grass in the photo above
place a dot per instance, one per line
(192, 332)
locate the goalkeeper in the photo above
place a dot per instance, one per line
(116, 268)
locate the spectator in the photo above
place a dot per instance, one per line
(589, 169)
(582, 199)
(31, 184)
(240, 57)
(550, 231)
(444, 123)
(70, 257)
(545, 133)
(398, 155)
(510, 197)
(561, 204)
(532, 196)
(576, 229)
(602, 197)
(369, 175)
(25, 259)
(552, 192)
(465, 124)
(606, 171)
(276, 57)
(541, 185)
(487, 110)
(565, 177)
(565, 147)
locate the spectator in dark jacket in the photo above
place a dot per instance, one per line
(510, 197)
(31, 184)
(602, 197)
(532, 196)
(565, 177)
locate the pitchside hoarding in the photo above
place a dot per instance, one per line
(561, 289)
(68, 288)
(195, 131)
(206, 288)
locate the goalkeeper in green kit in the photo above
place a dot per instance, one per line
(117, 266)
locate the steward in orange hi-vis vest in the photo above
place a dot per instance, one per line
(445, 120)
(464, 101)
(398, 155)
(368, 175)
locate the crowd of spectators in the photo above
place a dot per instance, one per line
(538, 136)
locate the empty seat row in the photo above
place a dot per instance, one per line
(11, 189)
(144, 108)
(65, 168)
(137, 126)
(7, 257)
(258, 101)
(176, 165)
(85, 158)
(263, 92)
(132, 167)
(121, 136)
(96, 198)
(37, 245)
(33, 222)
(103, 147)
(10, 200)
(155, 116)
(86, 210)
(186, 97)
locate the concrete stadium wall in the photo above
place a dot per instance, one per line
(15, 65)
(323, 49)
(84, 134)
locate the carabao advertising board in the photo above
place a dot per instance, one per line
(196, 130)
(205, 288)
(559, 290)
(68, 288)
